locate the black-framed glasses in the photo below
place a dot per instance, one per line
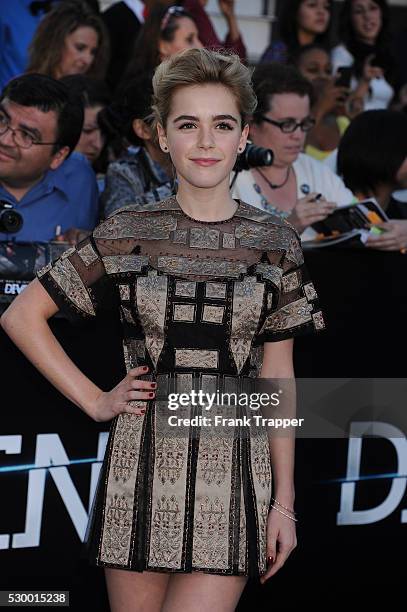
(21, 138)
(172, 11)
(288, 126)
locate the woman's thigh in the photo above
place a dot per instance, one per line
(199, 592)
(135, 591)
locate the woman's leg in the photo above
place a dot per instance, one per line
(199, 592)
(135, 591)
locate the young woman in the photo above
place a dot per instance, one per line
(301, 23)
(211, 293)
(331, 101)
(95, 97)
(365, 47)
(142, 172)
(71, 39)
(165, 32)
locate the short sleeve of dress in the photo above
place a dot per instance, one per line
(293, 309)
(78, 283)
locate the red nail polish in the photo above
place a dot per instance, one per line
(145, 368)
(151, 394)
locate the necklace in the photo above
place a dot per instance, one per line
(272, 185)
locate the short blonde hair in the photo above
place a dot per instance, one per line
(199, 67)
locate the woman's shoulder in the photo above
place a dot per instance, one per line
(262, 228)
(341, 56)
(128, 162)
(141, 219)
(306, 163)
(276, 52)
(317, 176)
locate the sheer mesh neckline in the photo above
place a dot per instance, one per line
(209, 222)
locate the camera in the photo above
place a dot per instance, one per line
(10, 220)
(252, 157)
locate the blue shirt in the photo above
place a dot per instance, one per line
(17, 27)
(67, 196)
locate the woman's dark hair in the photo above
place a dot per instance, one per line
(300, 51)
(359, 49)
(92, 91)
(372, 150)
(274, 78)
(161, 24)
(132, 102)
(47, 46)
(288, 26)
(47, 94)
(346, 31)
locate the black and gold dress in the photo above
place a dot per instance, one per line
(197, 300)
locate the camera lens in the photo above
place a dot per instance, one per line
(253, 157)
(10, 220)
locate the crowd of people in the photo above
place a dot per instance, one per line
(76, 102)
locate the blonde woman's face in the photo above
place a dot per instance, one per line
(79, 52)
(203, 134)
(185, 37)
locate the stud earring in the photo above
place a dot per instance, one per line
(165, 149)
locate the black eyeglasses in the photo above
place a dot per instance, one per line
(21, 138)
(172, 11)
(288, 126)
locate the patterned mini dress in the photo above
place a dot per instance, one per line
(197, 302)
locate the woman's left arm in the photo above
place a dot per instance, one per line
(281, 533)
(278, 364)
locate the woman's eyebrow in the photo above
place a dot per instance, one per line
(223, 117)
(186, 117)
(215, 118)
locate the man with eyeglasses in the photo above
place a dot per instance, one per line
(296, 187)
(54, 191)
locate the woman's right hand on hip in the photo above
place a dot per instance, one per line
(129, 396)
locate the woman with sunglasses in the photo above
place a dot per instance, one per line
(296, 186)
